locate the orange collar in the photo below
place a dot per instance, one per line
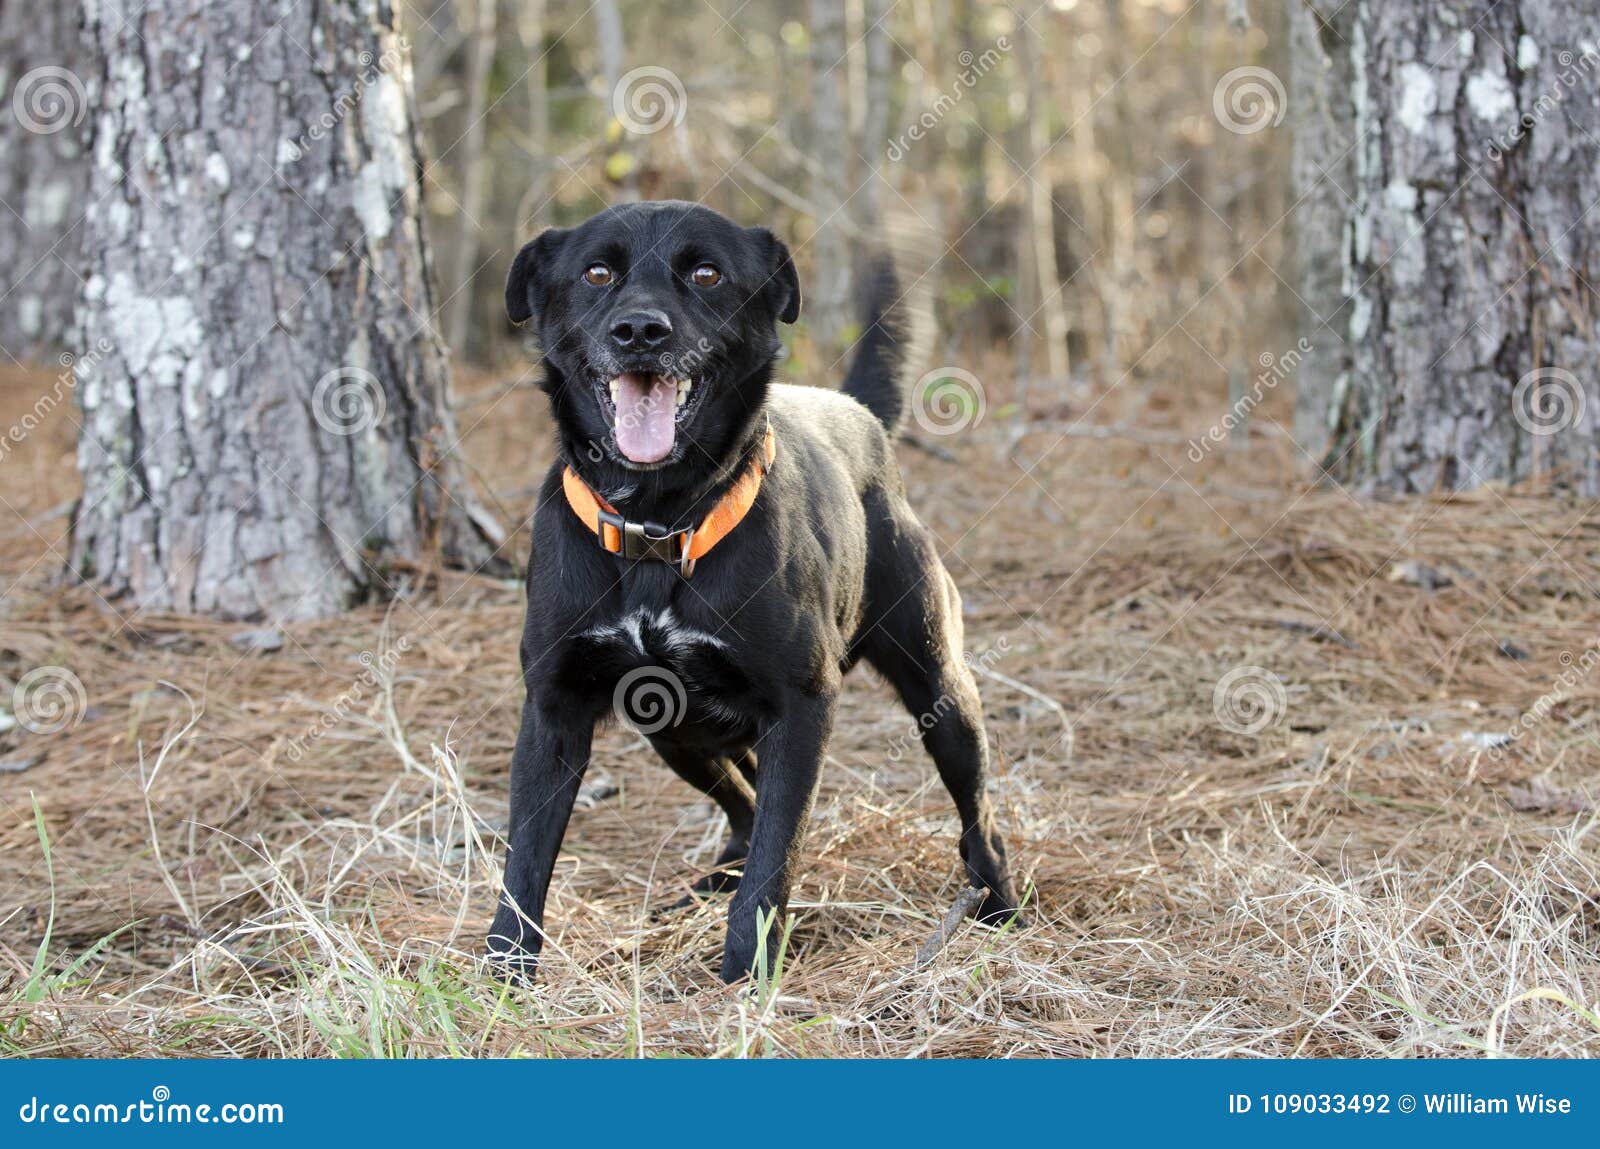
(648, 540)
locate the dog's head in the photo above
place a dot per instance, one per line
(659, 326)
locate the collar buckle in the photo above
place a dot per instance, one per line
(645, 540)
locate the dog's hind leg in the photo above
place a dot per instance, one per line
(916, 644)
(726, 782)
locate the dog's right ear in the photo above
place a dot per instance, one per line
(783, 284)
(524, 293)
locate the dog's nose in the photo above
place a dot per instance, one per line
(641, 330)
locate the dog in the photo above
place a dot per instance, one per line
(713, 551)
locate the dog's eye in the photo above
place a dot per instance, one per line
(706, 276)
(598, 275)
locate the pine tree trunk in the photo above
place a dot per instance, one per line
(469, 210)
(534, 209)
(43, 121)
(611, 42)
(268, 433)
(1468, 256)
(829, 305)
(877, 93)
(1050, 308)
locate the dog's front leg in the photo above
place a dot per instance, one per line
(786, 782)
(547, 766)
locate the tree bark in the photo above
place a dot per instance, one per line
(1468, 256)
(43, 110)
(269, 431)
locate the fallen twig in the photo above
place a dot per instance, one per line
(966, 901)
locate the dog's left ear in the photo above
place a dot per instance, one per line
(783, 286)
(524, 295)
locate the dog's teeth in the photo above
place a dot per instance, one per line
(684, 386)
(616, 390)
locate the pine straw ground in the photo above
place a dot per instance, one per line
(1369, 875)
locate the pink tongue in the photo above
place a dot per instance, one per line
(646, 416)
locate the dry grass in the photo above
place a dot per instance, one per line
(1363, 878)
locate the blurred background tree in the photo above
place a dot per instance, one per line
(42, 172)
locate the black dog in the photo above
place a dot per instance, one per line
(659, 328)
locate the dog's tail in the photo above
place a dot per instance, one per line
(897, 330)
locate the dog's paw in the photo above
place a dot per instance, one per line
(996, 910)
(687, 902)
(511, 961)
(721, 881)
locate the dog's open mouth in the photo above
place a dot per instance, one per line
(646, 410)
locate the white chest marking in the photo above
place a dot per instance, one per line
(671, 634)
